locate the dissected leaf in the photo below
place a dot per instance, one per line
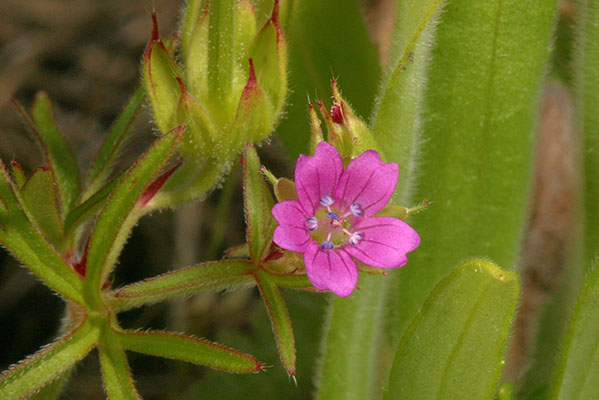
(44, 366)
(454, 347)
(258, 204)
(279, 318)
(217, 275)
(190, 349)
(114, 223)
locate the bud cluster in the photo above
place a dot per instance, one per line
(230, 83)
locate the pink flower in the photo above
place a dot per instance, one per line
(332, 222)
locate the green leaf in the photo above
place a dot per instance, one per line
(578, 368)
(44, 366)
(258, 204)
(217, 275)
(351, 344)
(396, 116)
(118, 216)
(57, 152)
(454, 347)
(326, 39)
(53, 390)
(478, 116)
(118, 382)
(26, 243)
(279, 318)
(114, 143)
(190, 349)
(39, 197)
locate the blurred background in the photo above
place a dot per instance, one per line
(86, 55)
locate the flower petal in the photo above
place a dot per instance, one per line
(367, 182)
(332, 270)
(291, 234)
(384, 243)
(317, 176)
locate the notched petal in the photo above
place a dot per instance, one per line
(332, 270)
(291, 234)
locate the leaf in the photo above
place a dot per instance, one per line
(39, 197)
(114, 143)
(578, 367)
(258, 204)
(453, 349)
(351, 340)
(478, 116)
(56, 150)
(26, 243)
(116, 376)
(190, 349)
(217, 275)
(115, 221)
(44, 366)
(279, 318)
(326, 39)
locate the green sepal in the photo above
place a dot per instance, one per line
(114, 143)
(254, 113)
(191, 15)
(57, 152)
(270, 59)
(160, 73)
(279, 318)
(221, 60)
(18, 175)
(245, 30)
(116, 221)
(190, 349)
(316, 135)
(116, 375)
(47, 364)
(578, 367)
(196, 60)
(258, 204)
(454, 347)
(25, 242)
(217, 275)
(39, 197)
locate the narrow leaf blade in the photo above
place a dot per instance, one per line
(454, 347)
(190, 349)
(279, 318)
(118, 382)
(47, 364)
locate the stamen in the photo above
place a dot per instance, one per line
(326, 201)
(332, 215)
(356, 209)
(311, 224)
(355, 238)
(327, 245)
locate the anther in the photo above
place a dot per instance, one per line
(326, 201)
(356, 209)
(311, 224)
(332, 215)
(327, 245)
(355, 238)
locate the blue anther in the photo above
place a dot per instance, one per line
(327, 245)
(332, 215)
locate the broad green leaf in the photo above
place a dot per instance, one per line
(326, 39)
(57, 152)
(118, 216)
(587, 60)
(578, 368)
(454, 347)
(217, 275)
(116, 375)
(189, 349)
(46, 365)
(351, 344)
(114, 143)
(279, 318)
(396, 116)
(478, 116)
(26, 243)
(39, 197)
(258, 204)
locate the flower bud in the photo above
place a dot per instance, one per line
(232, 83)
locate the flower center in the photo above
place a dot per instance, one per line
(333, 228)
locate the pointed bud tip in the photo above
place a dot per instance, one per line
(154, 36)
(336, 113)
(155, 186)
